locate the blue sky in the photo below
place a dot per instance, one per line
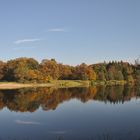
(71, 31)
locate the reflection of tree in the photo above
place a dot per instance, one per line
(1, 100)
(31, 99)
(114, 94)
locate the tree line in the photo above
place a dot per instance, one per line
(30, 70)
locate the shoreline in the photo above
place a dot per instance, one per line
(60, 83)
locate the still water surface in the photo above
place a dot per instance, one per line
(95, 113)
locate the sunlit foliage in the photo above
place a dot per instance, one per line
(30, 70)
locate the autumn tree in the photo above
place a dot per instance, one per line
(2, 72)
(65, 72)
(100, 70)
(137, 77)
(84, 72)
(119, 75)
(49, 68)
(110, 75)
(90, 73)
(21, 70)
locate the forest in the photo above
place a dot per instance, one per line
(30, 70)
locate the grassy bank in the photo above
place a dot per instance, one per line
(59, 83)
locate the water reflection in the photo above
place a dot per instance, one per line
(29, 100)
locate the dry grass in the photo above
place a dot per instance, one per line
(57, 83)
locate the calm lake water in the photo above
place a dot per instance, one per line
(95, 113)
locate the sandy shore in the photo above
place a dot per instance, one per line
(59, 83)
(13, 85)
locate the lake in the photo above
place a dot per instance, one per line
(94, 113)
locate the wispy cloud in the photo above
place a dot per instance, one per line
(27, 122)
(56, 30)
(27, 40)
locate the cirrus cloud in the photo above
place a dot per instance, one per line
(56, 30)
(27, 40)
